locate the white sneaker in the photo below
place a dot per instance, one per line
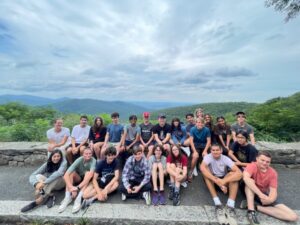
(195, 172)
(184, 184)
(64, 204)
(146, 196)
(77, 205)
(123, 197)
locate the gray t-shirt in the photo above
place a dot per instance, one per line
(57, 137)
(80, 134)
(246, 128)
(218, 167)
(132, 132)
(146, 131)
(163, 161)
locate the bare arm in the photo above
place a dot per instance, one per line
(208, 143)
(252, 139)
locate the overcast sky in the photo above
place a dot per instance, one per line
(195, 51)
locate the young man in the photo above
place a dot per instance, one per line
(136, 177)
(242, 125)
(190, 122)
(80, 172)
(80, 135)
(162, 132)
(105, 180)
(114, 135)
(146, 139)
(222, 132)
(261, 186)
(241, 152)
(57, 136)
(132, 133)
(214, 168)
(200, 142)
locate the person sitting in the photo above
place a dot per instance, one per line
(178, 133)
(162, 132)
(177, 169)
(136, 177)
(80, 173)
(190, 123)
(105, 180)
(261, 187)
(80, 135)
(58, 136)
(241, 152)
(132, 133)
(147, 138)
(215, 170)
(242, 125)
(97, 136)
(222, 132)
(46, 179)
(158, 167)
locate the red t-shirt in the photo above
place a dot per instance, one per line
(263, 180)
(179, 163)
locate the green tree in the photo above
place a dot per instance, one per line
(289, 7)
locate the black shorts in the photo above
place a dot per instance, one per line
(103, 181)
(257, 201)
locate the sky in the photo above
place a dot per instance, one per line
(177, 51)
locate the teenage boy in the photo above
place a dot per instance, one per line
(146, 139)
(132, 133)
(80, 135)
(214, 168)
(114, 135)
(105, 180)
(136, 177)
(200, 142)
(57, 136)
(162, 132)
(241, 152)
(190, 122)
(222, 132)
(261, 187)
(241, 124)
(80, 173)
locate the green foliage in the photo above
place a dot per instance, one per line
(84, 221)
(290, 7)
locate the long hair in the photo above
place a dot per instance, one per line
(52, 167)
(95, 127)
(173, 157)
(173, 126)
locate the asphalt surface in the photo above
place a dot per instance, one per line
(14, 185)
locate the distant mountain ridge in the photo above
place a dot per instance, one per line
(29, 99)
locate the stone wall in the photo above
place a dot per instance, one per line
(35, 153)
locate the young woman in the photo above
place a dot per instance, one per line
(178, 133)
(208, 121)
(177, 169)
(97, 136)
(158, 167)
(47, 178)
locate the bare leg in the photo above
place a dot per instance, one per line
(250, 198)
(161, 176)
(233, 189)
(279, 211)
(154, 176)
(211, 187)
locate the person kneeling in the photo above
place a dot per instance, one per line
(105, 180)
(80, 172)
(214, 170)
(136, 177)
(47, 178)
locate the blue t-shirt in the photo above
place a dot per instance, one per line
(104, 169)
(200, 136)
(115, 131)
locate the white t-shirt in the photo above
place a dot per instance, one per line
(218, 167)
(57, 137)
(80, 133)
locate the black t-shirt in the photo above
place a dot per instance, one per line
(162, 131)
(223, 131)
(146, 131)
(98, 136)
(105, 170)
(245, 154)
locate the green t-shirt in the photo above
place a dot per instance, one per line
(81, 167)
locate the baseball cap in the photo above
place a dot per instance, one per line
(162, 115)
(146, 114)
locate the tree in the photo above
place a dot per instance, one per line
(290, 7)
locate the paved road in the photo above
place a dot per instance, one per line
(14, 185)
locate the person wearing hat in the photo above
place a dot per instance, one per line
(146, 137)
(241, 124)
(162, 132)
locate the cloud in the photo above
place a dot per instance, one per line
(234, 72)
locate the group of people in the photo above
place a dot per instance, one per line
(138, 160)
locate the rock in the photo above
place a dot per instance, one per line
(21, 164)
(35, 160)
(3, 161)
(12, 163)
(19, 158)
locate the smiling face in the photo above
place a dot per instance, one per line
(110, 158)
(190, 119)
(56, 158)
(115, 120)
(241, 139)
(175, 151)
(216, 151)
(83, 122)
(263, 162)
(138, 156)
(58, 124)
(161, 121)
(87, 154)
(241, 118)
(199, 124)
(158, 152)
(221, 122)
(98, 122)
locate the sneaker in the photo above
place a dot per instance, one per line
(184, 184)
(123, 197)
(231, 215)
(51, 201)
(244, 204)
(87, 203)
(195, 172)
(155, 198)
(162, 198)
(252, 217)
(28, 207)
(220, 214)
(64, 204)
(171, 193)
(77, 205)
(176, 199)
(147, 197)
